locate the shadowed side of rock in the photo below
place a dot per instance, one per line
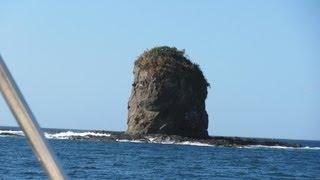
(168, 95)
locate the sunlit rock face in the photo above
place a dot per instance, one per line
(168, 95)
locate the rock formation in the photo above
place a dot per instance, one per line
(168, 95)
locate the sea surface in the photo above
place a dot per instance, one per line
(89, 158)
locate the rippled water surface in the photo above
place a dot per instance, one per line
(92, 159)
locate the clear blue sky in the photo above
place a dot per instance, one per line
(73, 60)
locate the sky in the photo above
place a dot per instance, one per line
(73, 60)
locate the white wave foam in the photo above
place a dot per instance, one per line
(131, 141)
(262, 146)
(11, 132)
(311, 148)
(195, 144)
(70, 134)
(153, 140)
(190, 143)
(281, 147)
(60, 135)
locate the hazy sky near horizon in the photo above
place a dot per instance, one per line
(73, 60)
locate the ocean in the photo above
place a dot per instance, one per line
(85, 157)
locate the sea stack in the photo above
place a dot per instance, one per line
(168, 95)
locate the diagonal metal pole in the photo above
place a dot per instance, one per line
(28, 124)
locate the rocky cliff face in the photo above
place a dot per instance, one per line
(168, 95)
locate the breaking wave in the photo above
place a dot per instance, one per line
(157, 141)
(11, 133)
(71, 134)
(58, 135)
(280, 147)
(195, 144)
(131, 141)
(190, 143)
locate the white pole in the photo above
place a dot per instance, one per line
(28, 124)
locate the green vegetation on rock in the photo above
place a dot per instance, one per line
(170, 59)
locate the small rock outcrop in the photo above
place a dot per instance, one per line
(168, 95)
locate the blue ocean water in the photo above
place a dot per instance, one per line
(93, 159)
